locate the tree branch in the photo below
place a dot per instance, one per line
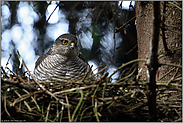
(152, 63)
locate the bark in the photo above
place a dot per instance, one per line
(169, 49)
(170, 41)
(144, 25)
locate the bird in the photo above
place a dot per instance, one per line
(62, 61)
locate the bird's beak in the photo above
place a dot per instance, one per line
(72, 46)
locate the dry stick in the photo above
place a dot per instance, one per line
(95, 109)
(5, 106)
(167, 73)
(72, 81)
(175, 5)
(25, 96)
(172, 77)
(122, 73)
(116, 29)
(90, 86)
(61, 113)
(47, 112)
(58, 113)
(69, 115)
(57, 109)
(179, 32)
(8, 60)
(91, 107)
(180, 116)
(22, 80)
(26, 104)
(3, 72)
(6, 67)
(48, 92)
(33, 100)
(44, 12)
(73, 89)
(87, 73)
(98, 72)
(170, 64)
(135, 106)
(101, 78)
(28, 113)
(107, 98)
(18, 84)
(171, 50)
(131, 50)
(103, 91)
(51, 14)
(100, 65)
(128, 76)
(115, 84)
(84, 111)
(125, 64)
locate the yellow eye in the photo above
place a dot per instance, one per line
(64, 42)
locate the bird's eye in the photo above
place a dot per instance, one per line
(64, 42)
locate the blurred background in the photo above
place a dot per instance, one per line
(106, 31)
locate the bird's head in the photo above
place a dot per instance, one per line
(66, 45)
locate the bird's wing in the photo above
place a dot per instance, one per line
(42, 57)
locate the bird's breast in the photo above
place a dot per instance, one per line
(57, 68)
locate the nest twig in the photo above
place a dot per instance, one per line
(89, 99)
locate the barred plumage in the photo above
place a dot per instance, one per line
(62, 61)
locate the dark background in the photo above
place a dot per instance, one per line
(106, 31)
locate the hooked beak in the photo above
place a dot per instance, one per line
(72, 46)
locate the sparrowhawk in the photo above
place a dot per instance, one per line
(62, 61)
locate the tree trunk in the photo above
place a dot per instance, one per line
(170, 36)
(169, 46)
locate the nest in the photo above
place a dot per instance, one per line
(86, 99)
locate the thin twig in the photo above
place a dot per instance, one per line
(5, 106)
(175, 5)
(25, 96)
(94, 105)
(47, 112)
(33, 100)
(167, 73)
(116, 29)
(18, 84)
(26, 104)
(51, 14)
(69, 115)
(61, 113)
(173, 77)
(73, 89)
(171, 64)
(125, 64)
